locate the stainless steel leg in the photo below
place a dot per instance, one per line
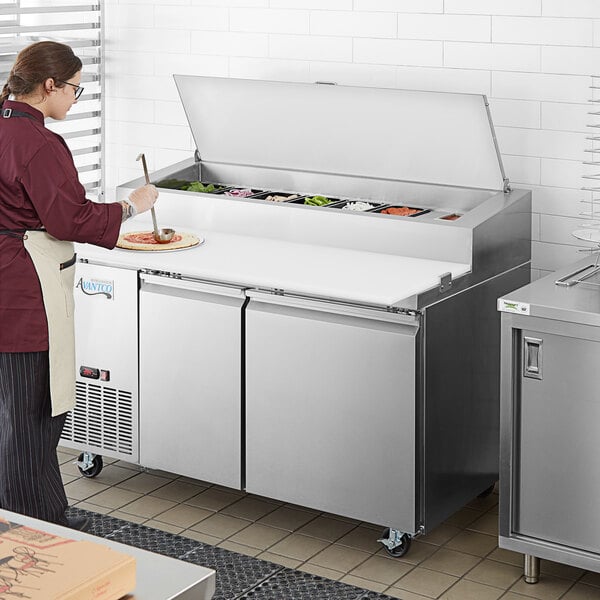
(532, 569)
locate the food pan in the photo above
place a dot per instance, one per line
(346, 205)
(183, 184)
(286, 196)
(411, 211)
(306, 200)
(236, 191)
(449, 217)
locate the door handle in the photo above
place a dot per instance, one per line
(532, 357)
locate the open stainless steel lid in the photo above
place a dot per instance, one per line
(429, 137)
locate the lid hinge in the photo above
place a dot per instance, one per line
(398, 310)
(505, 183)
(445, 282)
(161, 273)
(197, 155)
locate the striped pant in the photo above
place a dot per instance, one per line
(30, 480)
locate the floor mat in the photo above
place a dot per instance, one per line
(237, 576)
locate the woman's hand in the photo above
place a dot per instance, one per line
(139, 201)
(143, 198)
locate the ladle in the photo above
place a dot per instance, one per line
(162, 236)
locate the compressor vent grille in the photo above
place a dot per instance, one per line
(103, 417)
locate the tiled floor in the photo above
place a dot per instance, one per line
(459, 560)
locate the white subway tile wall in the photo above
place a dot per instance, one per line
(556, 201)
(353, 24)
(532, 58)
(401, 6)
(539, 86)
(524, 169)
(523, 8)
(444, 27)
(517, 113)
(581, 61)
(589, 9)
(204, 18)
(269, 20)
(496, 57)
(557, 115)
(398, 52)
(543, 31)
(274, 69)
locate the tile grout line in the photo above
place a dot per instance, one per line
(455, 529)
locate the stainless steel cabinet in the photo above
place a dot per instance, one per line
(558, 480)
(330, 408)
(190, 378)
(550, 411)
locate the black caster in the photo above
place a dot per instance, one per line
(395, 542)
(90, 465)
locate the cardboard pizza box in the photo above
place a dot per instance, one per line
(36, 565)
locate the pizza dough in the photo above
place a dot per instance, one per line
(144, 240)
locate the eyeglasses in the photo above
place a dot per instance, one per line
(78, 88)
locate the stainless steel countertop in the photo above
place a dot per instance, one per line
(158, 577)
(578, 303)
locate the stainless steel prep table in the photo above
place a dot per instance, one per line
(342, 361)
(550, 404)
(157, 577)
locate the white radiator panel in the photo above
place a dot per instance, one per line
(103, 421)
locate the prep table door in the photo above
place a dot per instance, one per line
(190, 379)
(556, 429)
(330, 409)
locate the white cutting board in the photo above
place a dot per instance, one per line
(326, 272)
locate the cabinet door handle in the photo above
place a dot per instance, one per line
(192, 286)
(532, 357)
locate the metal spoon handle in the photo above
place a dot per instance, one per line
(156, 232)
(142, 157)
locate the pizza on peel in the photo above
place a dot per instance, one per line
(144, 240)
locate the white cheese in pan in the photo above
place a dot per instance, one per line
(358, 206)
(279, 198)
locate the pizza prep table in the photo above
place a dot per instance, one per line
(342, 361)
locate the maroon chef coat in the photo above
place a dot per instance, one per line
(39, 187)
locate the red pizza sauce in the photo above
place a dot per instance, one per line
(401, 211)
(148, 238)
(451, 217)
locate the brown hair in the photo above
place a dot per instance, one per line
(36, 63)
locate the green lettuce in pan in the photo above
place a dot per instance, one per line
(173, 184)
(317, 201)
(189, 186)
(198, 186)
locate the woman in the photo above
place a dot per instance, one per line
(43, 209)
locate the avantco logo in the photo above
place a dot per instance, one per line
(95, 287)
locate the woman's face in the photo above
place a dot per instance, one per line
(61, 99)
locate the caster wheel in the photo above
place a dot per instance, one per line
(95, 469)
(486, 492)
(402, 548)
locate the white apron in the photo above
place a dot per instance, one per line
(54, 262)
